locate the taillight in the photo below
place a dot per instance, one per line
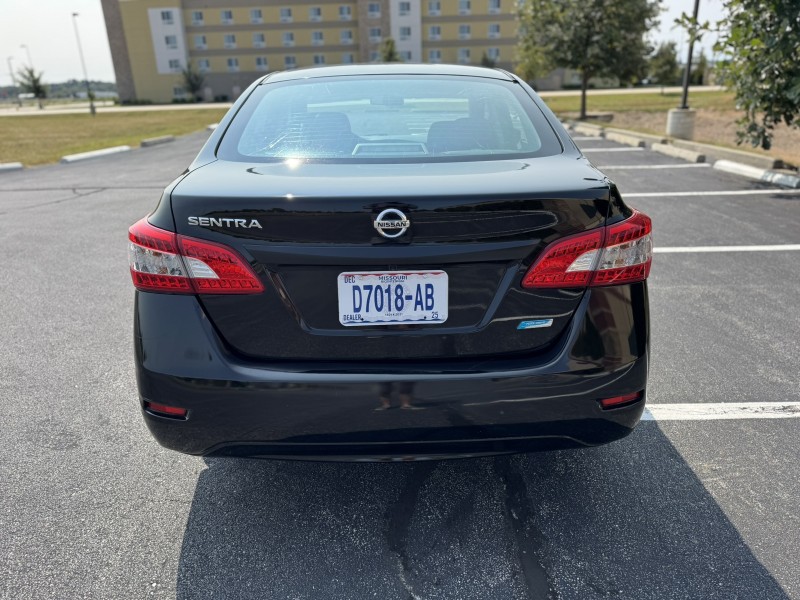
(162, 261)
(620, 253)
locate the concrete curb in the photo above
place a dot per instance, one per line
(71, 158)
(738, 162)
(155, 141)
(687, 155)
(587, 129)
(720, 153)
(624, 138)
(789, 179)
(212, 126)
(12, 166)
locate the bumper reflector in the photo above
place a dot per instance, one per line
(162, 410)
(619, 401)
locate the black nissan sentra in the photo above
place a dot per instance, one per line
(390, 262)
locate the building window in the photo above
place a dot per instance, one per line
(434, 8)
(319, 59)
(493, 53)
(261, 63)
(166, 17)
(286, 15)
(405, 55)
(197, 17)
(435, 32)
(315, 13)
(256, 16)
(203, 65)
(405, 8)
(348, 58)
(373, 56)
(317, 39)
(494, 7)
(434, 56)
(463, 55)
(405, 32)
(374, 10)
(171, 41)
(464, 32)
(230, 40)
(259, 40)
(178, 92)
(346, 36)
(464, 7)
(289, 62)
(494, 30)
(374, 34)
(200, 42)
(233, 65)
(345, 13)
(288, 38)
(174, 65)
(226, 16)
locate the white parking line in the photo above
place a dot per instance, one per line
(677, 166)
(693, 249)
(710, 193)
(721, 411)
(586, 138)
(612, 149)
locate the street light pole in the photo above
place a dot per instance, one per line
(13, 79)
(28, 52)
(92, 109)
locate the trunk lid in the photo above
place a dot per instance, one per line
(302, 225)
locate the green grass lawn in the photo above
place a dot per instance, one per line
(41, 139)
(647, 102)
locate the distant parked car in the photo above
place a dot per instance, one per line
(390, 261)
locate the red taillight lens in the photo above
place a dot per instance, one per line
(620, 253)
(162, 261)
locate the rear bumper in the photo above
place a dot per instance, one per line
(330, 410)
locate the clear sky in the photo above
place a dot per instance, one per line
(46, 28)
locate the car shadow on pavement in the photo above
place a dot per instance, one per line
(627, 520)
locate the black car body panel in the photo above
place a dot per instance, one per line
(276, 374)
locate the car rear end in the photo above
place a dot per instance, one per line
(410, 285)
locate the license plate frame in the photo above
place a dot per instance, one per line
(425, 298)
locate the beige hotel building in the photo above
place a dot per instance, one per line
(233, 42)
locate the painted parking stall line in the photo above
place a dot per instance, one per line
(719, 411)
(645, 167)
(584, 150)
(695, 249)
(759, 192)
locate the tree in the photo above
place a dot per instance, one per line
(192, 80)
(389, 51)
(698, 75)
(761, 42)
(599, 38)
(664, 64)
(486, 61)
(31, 82)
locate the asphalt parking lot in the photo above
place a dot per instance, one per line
(686, 507)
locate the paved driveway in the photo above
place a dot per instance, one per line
(689, 506)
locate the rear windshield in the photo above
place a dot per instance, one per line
(389, 119)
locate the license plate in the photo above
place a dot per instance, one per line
(392, 298)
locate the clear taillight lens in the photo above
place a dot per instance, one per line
(620, 253)
(162, 261)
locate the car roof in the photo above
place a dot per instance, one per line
(387, 69)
